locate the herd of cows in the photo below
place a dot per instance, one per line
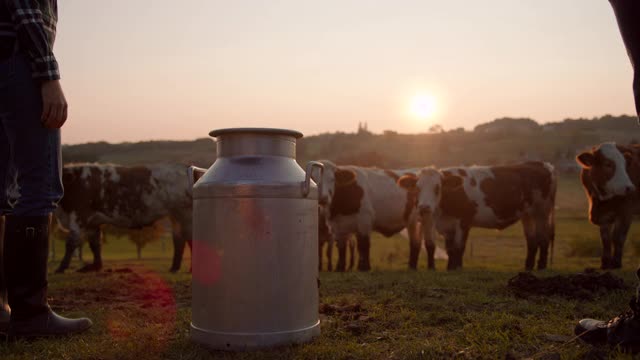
(359, 200)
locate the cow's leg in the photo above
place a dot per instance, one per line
(620, 232)
(544, 253)
(79, 250)
(71, 244)
(329, 254)
(178, 252)
(455, 238)
(352, 252)
(463, 237)
(530, 234)
(449, 241)
(605, 237)
(94, 237)
(95, 243)
(414, 245)
(540, 226)
(532, 250)
(364, 247)
(321, 242)
(430, 245)
(178, 238)
(341, 242)
(543, 236)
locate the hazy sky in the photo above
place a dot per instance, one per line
(139, 70)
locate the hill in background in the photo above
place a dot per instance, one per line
(501, 141)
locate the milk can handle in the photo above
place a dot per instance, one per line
(306, 185)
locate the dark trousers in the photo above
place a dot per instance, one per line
(30, 158)
(628, 16)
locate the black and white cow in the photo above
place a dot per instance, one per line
(359, 200)
(451, 201)
(125, 197)
(611, 178)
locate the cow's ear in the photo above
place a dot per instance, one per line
(451, 182)
(407, 182)
(586, 159)
(345, 177)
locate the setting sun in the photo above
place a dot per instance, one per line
(423, 106)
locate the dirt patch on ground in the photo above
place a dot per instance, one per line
(354, 317)
(118, 288)
(584, 285)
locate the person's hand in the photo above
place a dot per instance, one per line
(54, 105)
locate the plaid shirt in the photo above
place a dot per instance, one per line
(33, 24)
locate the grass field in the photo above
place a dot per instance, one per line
(143, 312)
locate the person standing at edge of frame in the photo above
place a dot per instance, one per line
(32, 111)
(623, 330)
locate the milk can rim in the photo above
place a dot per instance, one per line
(256, 130)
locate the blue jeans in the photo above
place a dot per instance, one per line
(30, 156)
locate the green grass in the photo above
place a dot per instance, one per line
(145, 314)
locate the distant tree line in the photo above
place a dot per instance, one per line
(500, 141)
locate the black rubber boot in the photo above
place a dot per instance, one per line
(622, 331)
(25, 259)
(5, 311)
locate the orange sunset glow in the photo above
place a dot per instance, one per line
(167, 73)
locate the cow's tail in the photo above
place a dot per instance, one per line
(552, 215)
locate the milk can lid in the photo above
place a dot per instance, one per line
(263, 131)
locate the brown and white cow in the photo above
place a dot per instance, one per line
(451, 201)
(611, 178)
(359, 200)
(125, 197)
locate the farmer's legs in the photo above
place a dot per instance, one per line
(628, 16)
(34, 184)
(34, 189)
(624, 330)
(4, 209)
(638, 288)
(4, 303)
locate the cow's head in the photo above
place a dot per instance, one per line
(426, 188)
(424, 193)
(332, 177)
(606, 171)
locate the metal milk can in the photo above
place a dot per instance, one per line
(255, 244)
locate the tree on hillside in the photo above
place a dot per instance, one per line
(509, 125)
(140, 237)
(436, 129)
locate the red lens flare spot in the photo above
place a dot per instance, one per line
(206, 263)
